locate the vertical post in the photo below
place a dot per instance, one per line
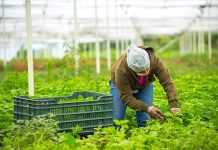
(97, 48)
(216, 39)
(76, 41)
(209, 37)
(122, 41)
(116, 30)
(85, 50)
(126, 30)
(121, 33)
(199, 38)
(180, 44)
(108, 38)
(90, 50)
(3, 37)
(4, 51)
(183, 43)
(202, 41)
(126, 43)
(29, 47)
(190, 40)
(194, 43)
(186, 43)
(44, 51)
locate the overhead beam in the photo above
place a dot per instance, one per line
(118, 5)
(111, 18)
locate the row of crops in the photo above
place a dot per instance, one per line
(195, 127)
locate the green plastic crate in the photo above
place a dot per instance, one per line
(87, 114)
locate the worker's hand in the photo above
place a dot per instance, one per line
(155, 113)
(174, 110)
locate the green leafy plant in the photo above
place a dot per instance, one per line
(195, 127)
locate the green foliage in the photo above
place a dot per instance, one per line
(195, 127)
(79, 99)
(27, 134)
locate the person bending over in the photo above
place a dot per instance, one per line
(131, 84)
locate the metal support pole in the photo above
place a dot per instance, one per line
(117, 39)
(190, 42)
(209, 37)
(3, 37)
(182, 44)
(4, 51)
(194, 42)
(76, 41)
(202, 42)
(185, 43)
(97, 48)
(199, 40)
(217, 39)
(126, 44)
(29, 47)
(45, 53)
(108, 39)
(85, 55)
(121, 34)
(90, 50)
(122, 42)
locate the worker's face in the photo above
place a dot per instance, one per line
(143, 73)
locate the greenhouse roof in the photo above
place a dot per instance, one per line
(53, 20)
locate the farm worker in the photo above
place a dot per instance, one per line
(131, 84)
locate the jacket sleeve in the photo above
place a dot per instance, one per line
(123, 84)
(165, 80)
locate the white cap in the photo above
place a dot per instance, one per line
(137, 58)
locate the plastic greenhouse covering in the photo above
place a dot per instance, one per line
(53, 21)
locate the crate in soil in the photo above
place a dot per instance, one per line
(88, 114)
